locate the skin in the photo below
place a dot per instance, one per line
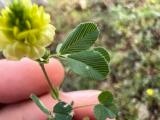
(21, 78)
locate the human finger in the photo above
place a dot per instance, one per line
(83, 106)
(21, 78)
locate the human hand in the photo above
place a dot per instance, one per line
(21, 78)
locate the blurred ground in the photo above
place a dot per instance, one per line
(130, 30)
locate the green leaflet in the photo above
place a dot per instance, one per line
(104, 52)
(105, 98)
(89, 64)
(63, 111)
(101, 112)
(81, 38)
(39, 104)
(113, 108)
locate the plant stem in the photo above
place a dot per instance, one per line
(54, 91)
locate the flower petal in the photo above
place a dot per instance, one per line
(3, 41)
(36, 52)
(47, 36)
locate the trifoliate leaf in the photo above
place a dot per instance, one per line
(81, 38)
(89, 64)
(63, 111)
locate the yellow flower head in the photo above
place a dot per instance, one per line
(150, 92)
(25, 30)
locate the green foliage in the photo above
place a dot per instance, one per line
(104, 52)
(105, 98)
(63, 111)
(81, 38)
(91, 64)
(106, 108)
(131, 31)
(39, 104)
(101, 112)
(85, 63)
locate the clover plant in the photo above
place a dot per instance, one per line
(26, 31)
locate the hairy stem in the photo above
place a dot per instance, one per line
(54, 91)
